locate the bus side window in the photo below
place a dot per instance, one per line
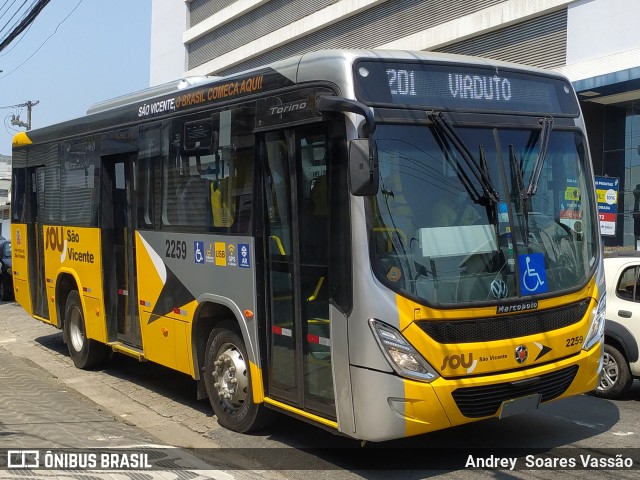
(208, 179)
(78, 184)
(18, 195)
(231, 196)
(222, 207)
(232, 190)
(187, 173)
(193, 196)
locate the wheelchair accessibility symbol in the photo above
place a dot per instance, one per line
(533, 276)
(198, 252)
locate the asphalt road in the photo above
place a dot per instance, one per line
(162, 403)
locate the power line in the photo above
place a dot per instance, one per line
(30, 17)
(8, 9)
(14, 15)
(18, 105)
(15, 44)
(45, 41)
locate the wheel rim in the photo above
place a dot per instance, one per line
(76, 333)
(610, 373)
(230, 377)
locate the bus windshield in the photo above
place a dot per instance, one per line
(437, 234)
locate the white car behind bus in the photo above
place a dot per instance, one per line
(622, 327)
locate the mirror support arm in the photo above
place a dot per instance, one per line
(341, 105)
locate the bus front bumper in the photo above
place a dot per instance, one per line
(387, 406)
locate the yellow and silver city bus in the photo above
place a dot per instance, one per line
(340, 236)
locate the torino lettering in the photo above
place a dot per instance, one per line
(479, 87)
(290, 107)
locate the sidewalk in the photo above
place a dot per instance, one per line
(117, 389)
(38, 412)
(46, 402)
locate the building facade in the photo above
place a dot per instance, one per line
(5, 188)
(593, 42)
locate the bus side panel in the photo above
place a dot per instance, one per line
(164, 341)
(175, 270)
(164, 336)
(94, 317)
(76, 251)
(20, 252)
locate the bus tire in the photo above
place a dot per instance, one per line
(615, 379)
(85, 352)
(227, 378)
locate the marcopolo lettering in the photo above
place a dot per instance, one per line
(520, 307)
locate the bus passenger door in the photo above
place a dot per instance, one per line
(118, 245)
(296, 238)
(36, 241)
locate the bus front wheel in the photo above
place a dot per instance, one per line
(227, 378)
(85, 352)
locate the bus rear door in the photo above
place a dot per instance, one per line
(118, 245)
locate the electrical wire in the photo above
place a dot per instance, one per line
(27, 20)
(12, 17)
(45, 41)
(16, 43)
(8, 9)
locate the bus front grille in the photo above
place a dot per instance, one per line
(502, 328)
(476, 402)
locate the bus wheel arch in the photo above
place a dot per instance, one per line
(222, 368)
(227, 379)
(207, 317)
(66, 283)
(86, 353)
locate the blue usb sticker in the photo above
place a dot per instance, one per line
(533, 276)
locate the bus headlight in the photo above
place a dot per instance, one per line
(403, 358)
(597, 324)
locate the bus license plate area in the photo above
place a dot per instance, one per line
(520, 405)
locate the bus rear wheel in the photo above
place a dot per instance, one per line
(227, 378)
(85, 352)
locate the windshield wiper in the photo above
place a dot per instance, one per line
(524, 198)
(547, 125)
(481, 176)
(484, 167)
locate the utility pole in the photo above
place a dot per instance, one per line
(16, 120)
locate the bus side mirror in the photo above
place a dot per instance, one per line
(364, 176)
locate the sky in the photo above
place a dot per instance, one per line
(76, 53)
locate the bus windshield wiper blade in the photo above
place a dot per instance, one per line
(524, 199)
(547, 125)
(441, 123)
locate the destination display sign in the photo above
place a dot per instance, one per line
(465, 88)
